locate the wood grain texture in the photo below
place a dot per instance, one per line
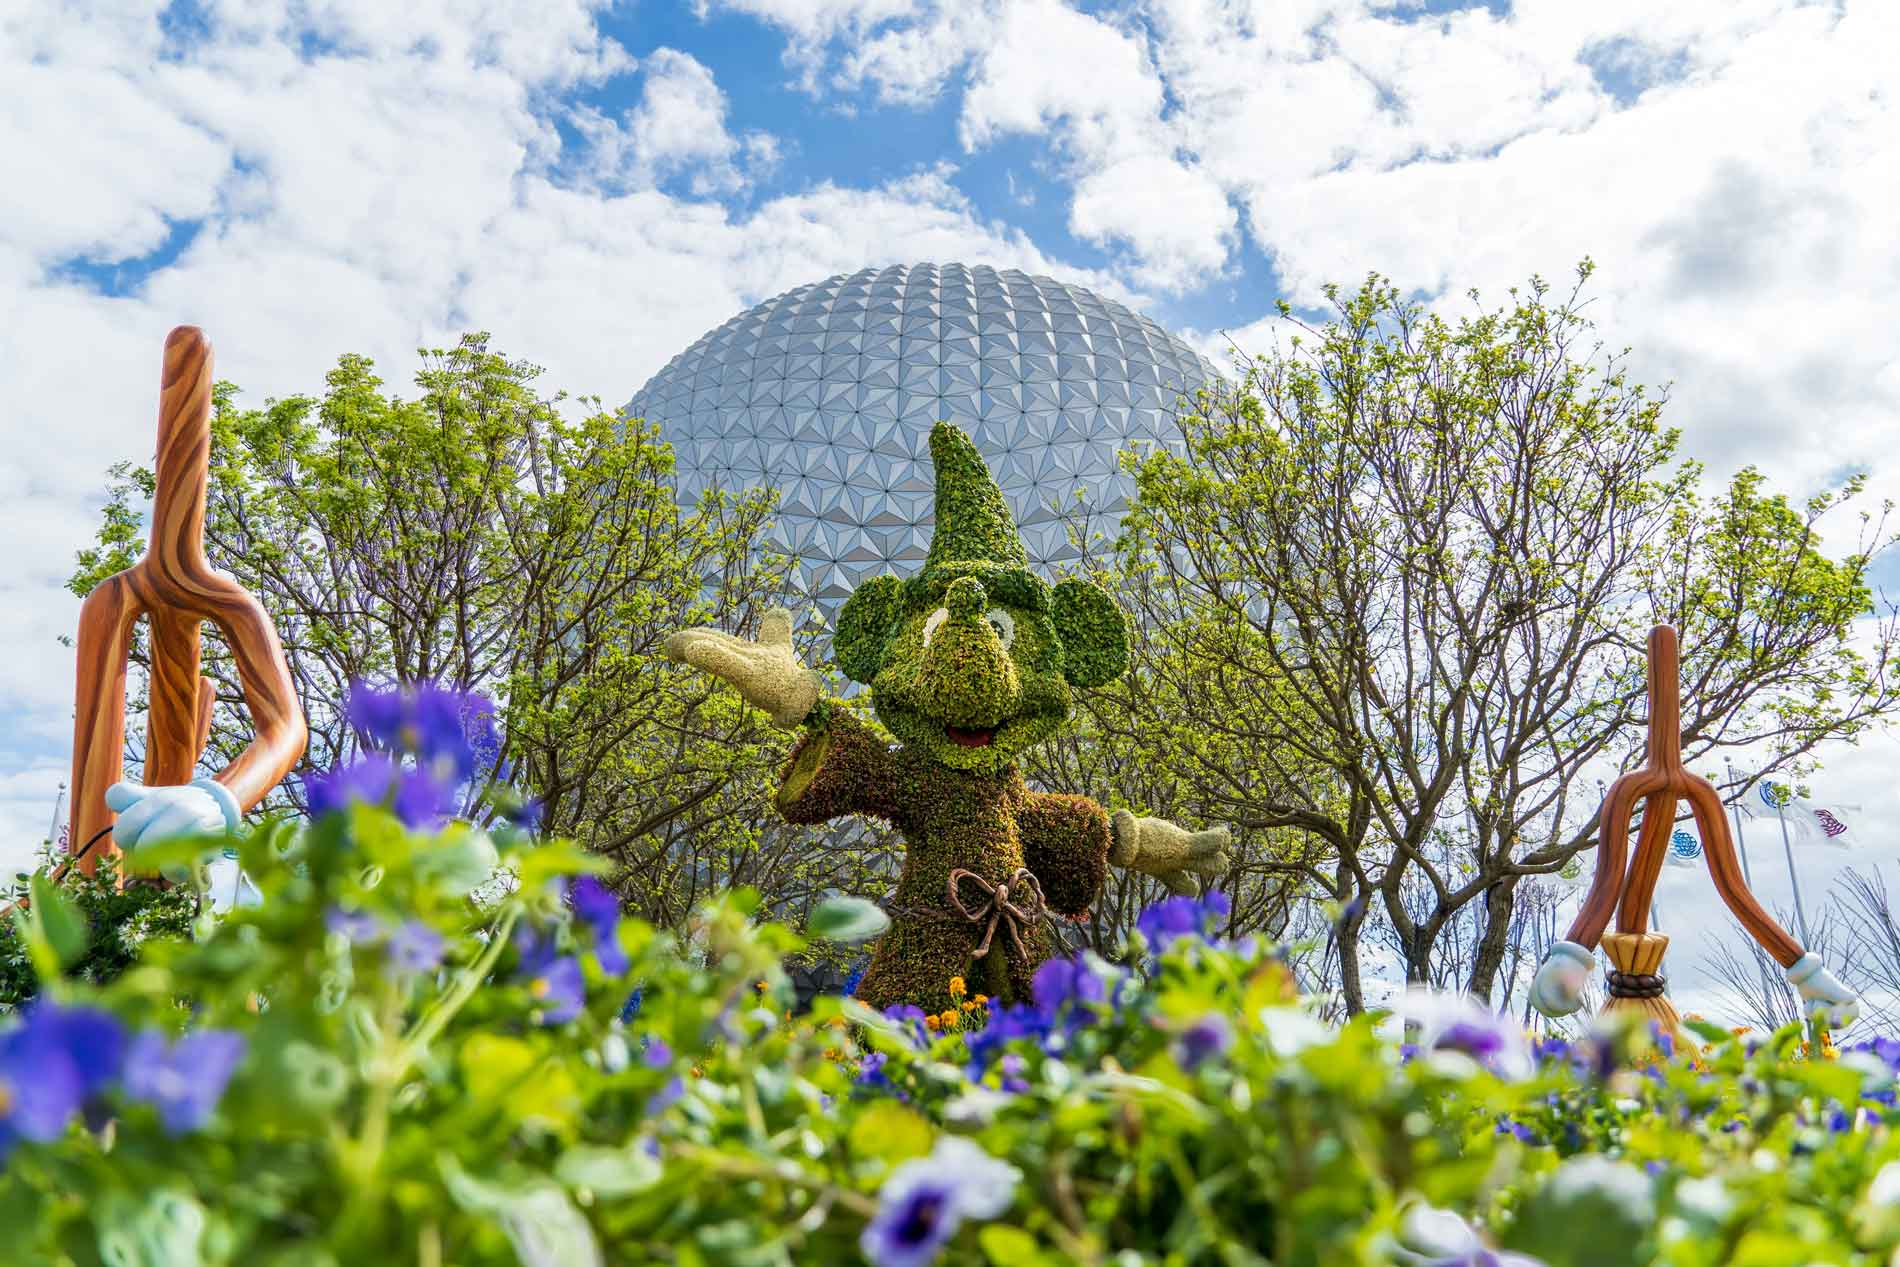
(177, 590)
(1626, 888)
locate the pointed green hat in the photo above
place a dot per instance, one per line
(973, 521)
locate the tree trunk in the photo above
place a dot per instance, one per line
(1498, 902)
(1350, 988)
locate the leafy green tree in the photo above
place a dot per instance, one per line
(474, 537)
(1399, 582)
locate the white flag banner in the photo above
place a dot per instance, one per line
(1821, 824)
(1684, 849)
(1811, 822)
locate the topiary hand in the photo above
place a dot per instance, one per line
(765, 673)
(1186, 861)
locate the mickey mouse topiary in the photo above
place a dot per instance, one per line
(970, 662)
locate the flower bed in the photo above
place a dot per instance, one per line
(389, 1061)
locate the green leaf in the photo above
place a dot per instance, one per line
(512, 1072)
(541, 1222)
(1009, 1246)
(556, 859)
(608, 1172)
(154, 1229)
(179, 851)
(460, 862)
(60, 920)
(1708, 1032)
(891, 1133)
(847, 919)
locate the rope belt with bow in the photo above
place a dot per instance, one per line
(1000, 904)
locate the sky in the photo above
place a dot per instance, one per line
(599, 183)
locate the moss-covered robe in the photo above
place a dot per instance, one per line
(988, 823)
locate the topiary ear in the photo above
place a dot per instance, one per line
(1093, 631)
(863, 626)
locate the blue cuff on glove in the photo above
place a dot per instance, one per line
(226, 802)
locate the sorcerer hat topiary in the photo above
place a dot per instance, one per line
(974, 524)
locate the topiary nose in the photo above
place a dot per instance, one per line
(965, 598)
(967, 678)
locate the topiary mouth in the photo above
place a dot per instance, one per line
(970, 738)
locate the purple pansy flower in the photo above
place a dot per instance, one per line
(553, 979)
(185, 1079)
(1005, 1025)
(93, 1040)
(1459, 1022)
(359, 928)
(375, 778)
(1060, 984)
(925, 1200)
(1177, 917)
(414, 947)
(599, 908)
(50, 1064)
(911, 1018)
(524, 812)
(446, 729)
(1204, 1040)
(666, 1097)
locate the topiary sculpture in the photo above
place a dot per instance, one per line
(970, 662)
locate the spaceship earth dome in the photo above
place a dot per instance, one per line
(827, 393)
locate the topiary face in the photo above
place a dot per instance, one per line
(972, 660)
(971, 681)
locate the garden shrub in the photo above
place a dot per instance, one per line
(388, 1060)
(119, 921)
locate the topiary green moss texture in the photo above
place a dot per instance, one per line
(969, 663)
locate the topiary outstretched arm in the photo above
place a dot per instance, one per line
(1065, 842)
(766, 673)
(841, 767)
(1174, 855)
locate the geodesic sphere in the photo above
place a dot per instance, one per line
(827, 393)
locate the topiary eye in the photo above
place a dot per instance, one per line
(1003, 623)
(933, 621)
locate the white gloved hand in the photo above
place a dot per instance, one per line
(766, 673)
(1169, 852)
(151, 814)
(1558, 987)
(1828, 1001)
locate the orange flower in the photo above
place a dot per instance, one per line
(956, 987)
(933, 1022)
(980, 998)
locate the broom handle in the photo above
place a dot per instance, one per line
(175, 587)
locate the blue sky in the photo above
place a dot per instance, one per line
(599, 183)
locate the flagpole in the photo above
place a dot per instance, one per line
(1741, 841)
(1781, 813)
(59, 817)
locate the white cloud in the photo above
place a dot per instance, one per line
(678, 127)
(814, 25)
(1176, 218)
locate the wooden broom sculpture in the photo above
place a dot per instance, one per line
(176, 590)
(1635, 977)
